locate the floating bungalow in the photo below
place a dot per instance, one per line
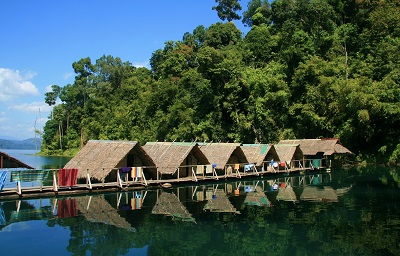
(113, 165)
(290, 156)
(102, 160)
(176, 160)
(227, 158)
(318, 152)
(262, 155)
(7, 161)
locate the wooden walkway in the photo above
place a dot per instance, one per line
(88, 187)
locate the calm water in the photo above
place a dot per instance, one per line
(36, 161)
(346, 212)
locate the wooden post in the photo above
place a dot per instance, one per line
(215, 173)
(255, 168)
(88, 182)
(194, 174)
(119, 182)
(55, 186)
(103, 179)
(19, 190)
(144, 178)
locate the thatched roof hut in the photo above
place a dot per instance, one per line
(168, 204)
(171, 156)
(314, 147)
(100, 157)
(289, 152)
(220, 203)
(97, 209)
(7, 161)
(259, 153)
(222, 154)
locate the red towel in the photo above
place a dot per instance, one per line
(67, 177)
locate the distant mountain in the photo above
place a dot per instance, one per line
(31, 143)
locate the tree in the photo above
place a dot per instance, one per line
(227, 9)
(257, 10)
(51, 97)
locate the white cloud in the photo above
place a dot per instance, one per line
(48, 88)
(13, 84)
(34, 107)
(142, 65)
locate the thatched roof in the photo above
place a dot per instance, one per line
(312, 193)
(257, 197)
(258, 153)
(220, 203)
(168, 156)
(168, 204)
(97, 155)
(312, 147)
(97, 209)
(7, 161)
(220, 153)
(288, 152)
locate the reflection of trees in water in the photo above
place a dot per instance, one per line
(362, 222)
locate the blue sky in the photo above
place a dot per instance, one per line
(41, 39)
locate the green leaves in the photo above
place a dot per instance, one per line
(227, 9)
(306, 69)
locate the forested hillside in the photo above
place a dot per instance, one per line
(306, 69)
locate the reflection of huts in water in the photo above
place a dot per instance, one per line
(97, 209)
(257, 197)
(319, 151)
(286, 193)
(316, 194)
(168, 204)
(218, 201)
(260, 155)
(99, 158)
(7, 161)
(289, 154)
(223, 154)
(175, 159)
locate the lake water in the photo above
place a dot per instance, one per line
(346, 212)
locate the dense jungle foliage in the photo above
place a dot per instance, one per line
(305, 69)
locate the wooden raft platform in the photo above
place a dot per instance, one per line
(84, 188)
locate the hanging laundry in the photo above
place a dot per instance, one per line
(67, 177)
